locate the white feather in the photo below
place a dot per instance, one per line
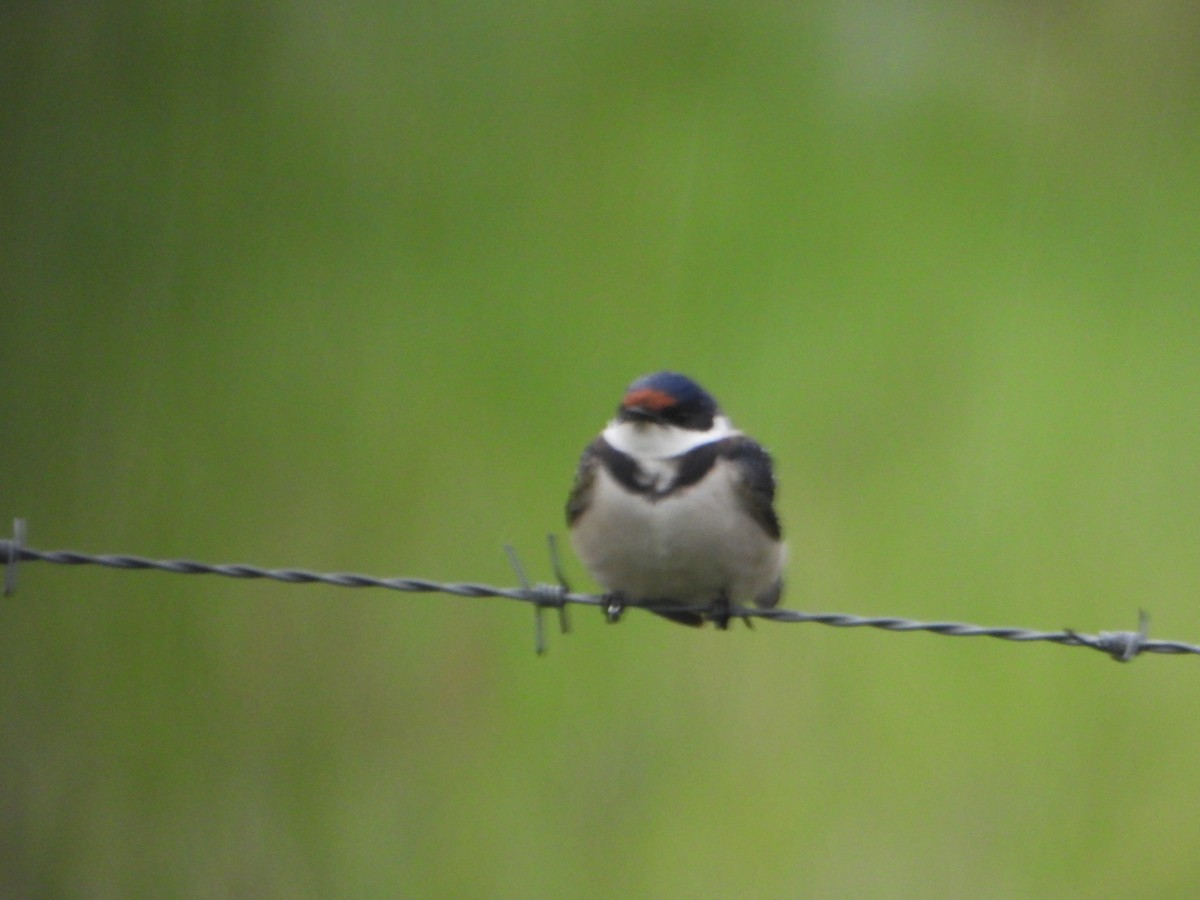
(647, 441)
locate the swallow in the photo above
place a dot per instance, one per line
(674, 507)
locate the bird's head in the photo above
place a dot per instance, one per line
(668, 399)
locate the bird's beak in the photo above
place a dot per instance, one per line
(641, 414)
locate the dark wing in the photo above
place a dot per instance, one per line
(585, 478)
(756, 480)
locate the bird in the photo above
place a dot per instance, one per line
(674, 507)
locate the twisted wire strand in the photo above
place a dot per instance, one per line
(1120, 645)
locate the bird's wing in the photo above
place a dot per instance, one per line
(755, 480)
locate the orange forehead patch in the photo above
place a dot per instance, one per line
(649, 398)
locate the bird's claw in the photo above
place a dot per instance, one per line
(614, 606)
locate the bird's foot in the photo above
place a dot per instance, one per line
(614, 606)
(720, 613)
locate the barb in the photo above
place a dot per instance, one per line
(1120, 645)
(12, 557)
(542, 595)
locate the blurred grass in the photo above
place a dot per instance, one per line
(349, 289)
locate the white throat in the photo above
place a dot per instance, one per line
(647, 440)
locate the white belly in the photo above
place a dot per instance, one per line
(690, 547)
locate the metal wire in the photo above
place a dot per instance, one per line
(1120, 645)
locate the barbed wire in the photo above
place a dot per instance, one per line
(1122, 646)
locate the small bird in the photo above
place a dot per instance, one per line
(672, 506)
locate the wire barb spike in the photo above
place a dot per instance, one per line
(1124, 645)
(14, 557)
(564, 622)
(541, 596)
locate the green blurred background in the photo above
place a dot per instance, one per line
(350, 288)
